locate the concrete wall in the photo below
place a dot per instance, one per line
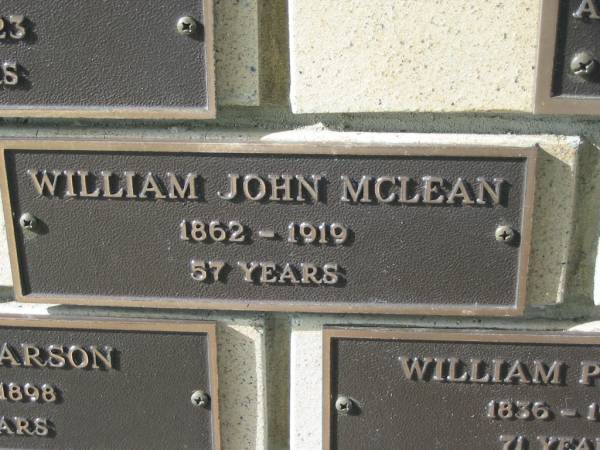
(402, 71)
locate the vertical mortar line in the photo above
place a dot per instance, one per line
(277, 344)
(579, 285)
(274, 53)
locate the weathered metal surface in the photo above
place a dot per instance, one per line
(452, 390)
(569, 58)
(63, 58)
(271, 227)
(107, 384)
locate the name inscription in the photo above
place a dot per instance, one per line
(52, 356)
(273, 188)
(84, 387)
(265, 228)
(283, 188)
(500, 371)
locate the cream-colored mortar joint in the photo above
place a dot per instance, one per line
(237, 52)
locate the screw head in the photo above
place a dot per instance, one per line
(344, 405)
(187, 25)
(200, 398)
(583, 64)
(28, 221)
(505, 233)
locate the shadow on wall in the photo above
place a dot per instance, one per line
(584, 276)
(552, 226)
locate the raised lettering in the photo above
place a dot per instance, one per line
(350, 193)
(106, 176)
(285, 188)
(31, 356)
(189, 186)
(460, 190)
(151, 185)
(260, 190)
(44, 184)
(495, 192)
(590, 370)
(6, 355)
(587, 10)
(305, 186)
(432, 186)
(541, 375)
(83, 181)
(415, 367)
(104, 357)
(78, 357)
(233, 183)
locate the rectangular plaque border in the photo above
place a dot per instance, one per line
(260, 148)
(148, 113)
(545, 102)
(130, 324)
(428, 334)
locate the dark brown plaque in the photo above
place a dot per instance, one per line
(335, 228)
(108, 384)
(137, 59)
(568, 72)
(453, 390)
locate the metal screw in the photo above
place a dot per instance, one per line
(200, 398)
(344, 405)
(187, 25)
(583, 64)
(505, 234)
(28, 221)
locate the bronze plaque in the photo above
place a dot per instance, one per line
(303, 227)
(108, 384)
(568, 80)
(452, 390)
(135, 59)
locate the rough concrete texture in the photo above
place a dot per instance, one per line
(243, 386)
(236, 52)
(555, 202)
(240, 355)
(410, 55)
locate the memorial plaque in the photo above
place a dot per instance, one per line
(568, 80)
(108, 384)
(302, 227)
(454, 390)
(138, 59)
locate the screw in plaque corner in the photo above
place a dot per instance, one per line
(505, 234)
(28, 222)
(584, 65)
(187, 26)
(200, 398)
(344, 405)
